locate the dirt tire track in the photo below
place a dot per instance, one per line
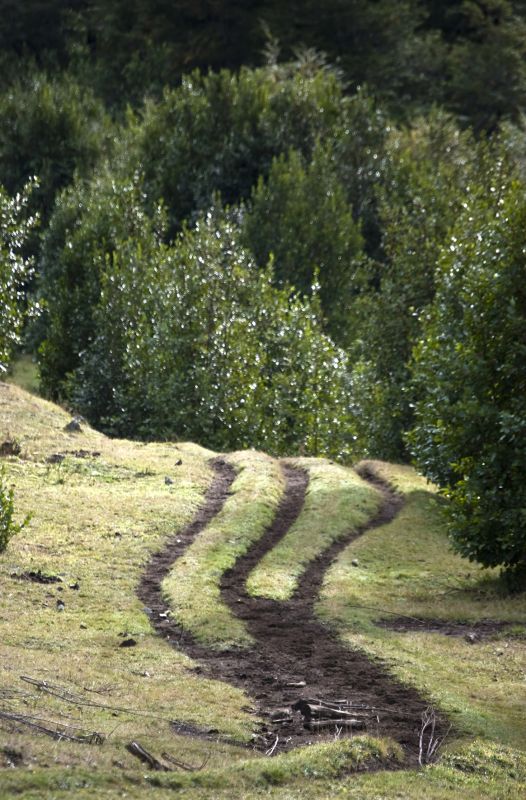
(293, 646)
(160, 564)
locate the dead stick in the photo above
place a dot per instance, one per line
(143, 755)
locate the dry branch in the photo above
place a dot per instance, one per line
(67, 696)
(427, 751)
(322, 724)
(184, 765)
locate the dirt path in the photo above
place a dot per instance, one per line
(297, 658)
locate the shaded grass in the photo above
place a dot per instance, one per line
(193, 586)
(338, 501)
(24, 373)
(407, 568)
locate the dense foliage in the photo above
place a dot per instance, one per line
(52, 128)
(467, 55)
(280, 222)
(470, 369)
(286, 225)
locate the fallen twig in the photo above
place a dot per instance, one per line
(321, 724)
(70, 697)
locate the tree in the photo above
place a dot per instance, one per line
(88, 222)
(51, 128)
(219, 132)
(302, 217)
(470, 422)
(426, 175)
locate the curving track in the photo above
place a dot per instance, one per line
(296, 656)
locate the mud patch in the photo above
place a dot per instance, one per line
(471, 631)
(297, 661)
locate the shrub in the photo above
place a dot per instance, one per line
(88, 222)
(427, 175)
(208, 349)
(302, 217)
(8, 526)
(51, 128)
(219, 132)
(15, 269)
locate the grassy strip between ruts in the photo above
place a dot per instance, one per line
(338, 501)
(193, 586)
(407, 568)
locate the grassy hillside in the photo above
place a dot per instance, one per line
(101, 507)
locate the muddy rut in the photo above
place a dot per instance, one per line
(296, 657)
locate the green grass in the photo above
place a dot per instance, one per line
(480, 770)
(193, 585)
(407, 568)
(255, 777)
(338, 501)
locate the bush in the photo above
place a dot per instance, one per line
(15, 270)
(219, 132)
(427, 174)
(469, 371)
(88, 222)
(8, 526)
(208, 349)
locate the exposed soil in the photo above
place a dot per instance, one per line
(471, 631)
(296, 658)
(9, 448)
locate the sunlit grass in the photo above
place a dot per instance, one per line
(193, 585)
(95, 522)
(338, 501)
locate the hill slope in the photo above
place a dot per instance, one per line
(85, 671)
